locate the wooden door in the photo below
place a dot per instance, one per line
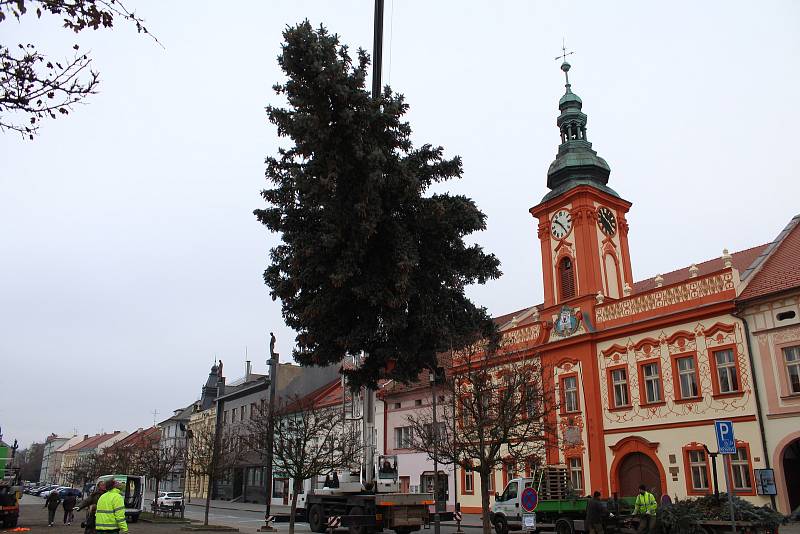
(637, 468)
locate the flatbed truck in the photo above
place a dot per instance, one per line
(369, 507)
(559, 509)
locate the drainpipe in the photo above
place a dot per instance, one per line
(737, 314)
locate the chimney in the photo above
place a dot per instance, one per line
(85, 436)
(248, 368)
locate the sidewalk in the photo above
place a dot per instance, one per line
(468, 521)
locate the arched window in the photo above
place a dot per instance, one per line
(566, 275)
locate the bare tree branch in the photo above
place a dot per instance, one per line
(495, 412)
(310, 441)
(33, 87)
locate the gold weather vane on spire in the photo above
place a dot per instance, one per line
(563, 57)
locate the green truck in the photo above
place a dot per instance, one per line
(558, 509)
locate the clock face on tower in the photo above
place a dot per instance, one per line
(606, 221)
(561, 224)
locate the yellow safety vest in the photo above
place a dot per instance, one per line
(645, 504)
(110, 514)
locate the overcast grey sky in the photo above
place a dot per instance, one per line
(130, 255)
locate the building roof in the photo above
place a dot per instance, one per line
(140, 436)
(183, 414)
(89, 443)
(741, 261)
(778, 266)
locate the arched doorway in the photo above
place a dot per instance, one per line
(637, 468)
(791, 470)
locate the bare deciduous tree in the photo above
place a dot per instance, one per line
(310, 441)
(495, 412)
(211, 454)
(157, 462)
(33, 87)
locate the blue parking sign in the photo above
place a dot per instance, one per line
(725, 440)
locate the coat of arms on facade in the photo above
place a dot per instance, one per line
(566, 322)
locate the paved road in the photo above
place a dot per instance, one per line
(247, 521)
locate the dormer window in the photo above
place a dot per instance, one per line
(566, 276)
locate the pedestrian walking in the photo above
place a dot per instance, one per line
(596, 512)
(90, 505)
(645, 508)
(110, 513)
(52, 502)
(69, 504)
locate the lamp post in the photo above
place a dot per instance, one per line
(435, 435)
(273, 368)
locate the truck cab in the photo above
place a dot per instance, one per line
(507, 508)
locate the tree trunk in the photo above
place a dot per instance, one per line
(296, 485)
(208, 499)
(155, 495)
(487, 525)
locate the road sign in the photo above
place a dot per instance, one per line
(530, 499)
(528, 521)
(725, 440)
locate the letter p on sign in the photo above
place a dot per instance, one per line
(725, 440)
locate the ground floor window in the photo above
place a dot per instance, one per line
(469, 480)
(697, 470)
(740, 470)
(576, 473)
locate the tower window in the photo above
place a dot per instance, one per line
(566, 275)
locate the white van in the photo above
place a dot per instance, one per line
(132, 491)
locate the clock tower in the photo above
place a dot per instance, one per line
(582, 226)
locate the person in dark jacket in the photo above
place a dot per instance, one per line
(69, 503)
(90, 505)
(595, 513)
(52, 502)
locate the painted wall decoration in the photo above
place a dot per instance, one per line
(681, 293)
(660, 349)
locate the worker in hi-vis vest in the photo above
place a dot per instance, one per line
(645, 507)
(110, 514)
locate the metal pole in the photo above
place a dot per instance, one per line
(377, 49)
(713, 456)
(435, 435)
(273, 376)
(455, 460)
(728, 484)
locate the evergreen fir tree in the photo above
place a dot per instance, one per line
(370, 261)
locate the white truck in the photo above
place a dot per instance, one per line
(132, 487)
(369, 505)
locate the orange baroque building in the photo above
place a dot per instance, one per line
(642, 369)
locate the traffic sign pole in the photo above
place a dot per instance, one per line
(727, 464)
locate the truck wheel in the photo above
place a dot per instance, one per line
(316, 521)
(357, 510)
(564, 527)
(501, 525)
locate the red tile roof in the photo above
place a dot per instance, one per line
(152, 434)
(780, 269)
(741, 260)
(91, 443)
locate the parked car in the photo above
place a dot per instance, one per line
(40, 489)
(63, 492)
(169, 498)
(46, 493)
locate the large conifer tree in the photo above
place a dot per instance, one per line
(369, 261)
